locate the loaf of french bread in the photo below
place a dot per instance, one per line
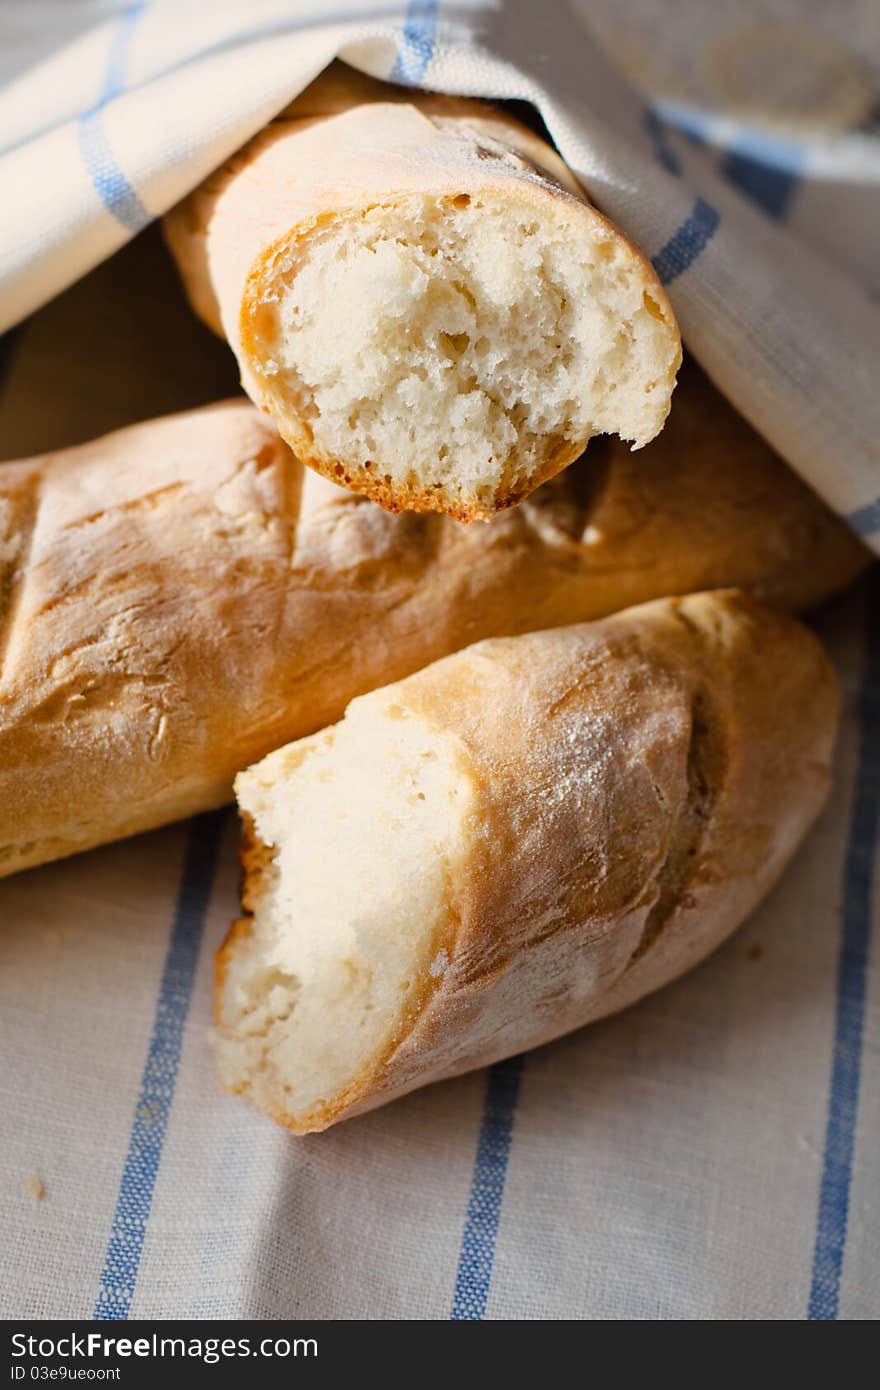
(519, 839)
(180, 597)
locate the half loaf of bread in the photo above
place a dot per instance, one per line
(421, 296)
(519, 839)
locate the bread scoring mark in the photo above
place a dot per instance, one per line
(706, 759)
(144, 501)
(593, 660)
(477, 143)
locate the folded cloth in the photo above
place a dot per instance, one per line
(775, 300)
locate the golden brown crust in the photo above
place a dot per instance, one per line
(190, 597)
(397, 499)
(253, 213)
(141, 570)
(643, 781)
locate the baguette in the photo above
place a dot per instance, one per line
(524, 837)
(180, 597)
(420, 295)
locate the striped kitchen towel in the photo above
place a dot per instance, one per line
(743, 159)
(711, 1153)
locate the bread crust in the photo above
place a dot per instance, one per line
(180, 597)
(352, 146)
(642, 783)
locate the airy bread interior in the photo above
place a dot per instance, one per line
(462, 346)
(359, 835)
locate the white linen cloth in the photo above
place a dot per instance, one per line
(712, 1153)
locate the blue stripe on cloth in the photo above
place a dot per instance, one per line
(843, 1103)
(766, 169)
(687, 243)
(113, 188)
(156, 1094)
(688, 120)
(659, 134)
(487, 1192)
(107, 178)
(865, 520)
(417, 48)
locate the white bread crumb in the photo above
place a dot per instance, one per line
(466, 347)
(340, 953)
